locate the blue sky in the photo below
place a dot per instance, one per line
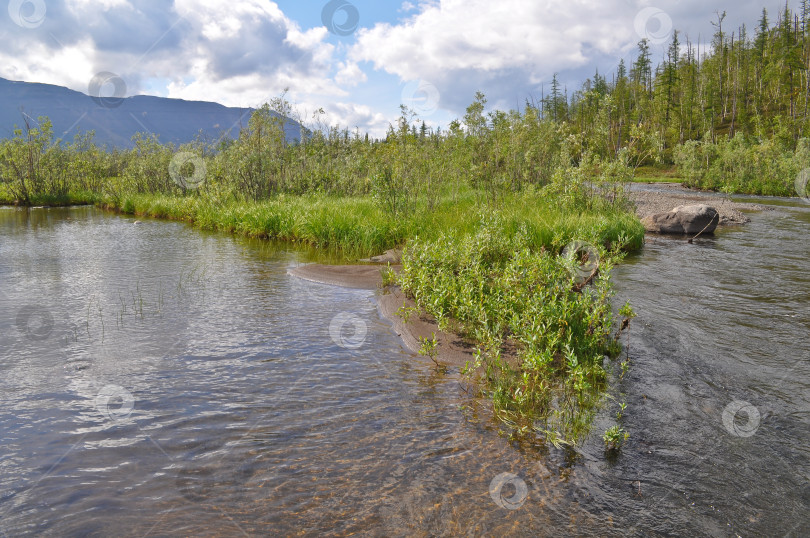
(357, 60)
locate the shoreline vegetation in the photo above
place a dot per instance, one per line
(511, 254)
(483, 224)
(510, 221)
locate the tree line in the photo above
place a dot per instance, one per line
(733, 116)
(706, 109)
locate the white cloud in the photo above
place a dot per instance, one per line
(94, 5)
(69, 66)
(352, 116)
(509, 48)
(480, 41)
(236, 52)
(243, 52)
(349, 74)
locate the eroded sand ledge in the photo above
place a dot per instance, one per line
(366, 277)
(453, 350)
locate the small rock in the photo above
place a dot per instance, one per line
(685, 219)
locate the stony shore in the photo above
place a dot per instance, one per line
(673, 195)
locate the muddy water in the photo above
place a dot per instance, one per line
(159, 380)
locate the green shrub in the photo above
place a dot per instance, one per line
(497, 286)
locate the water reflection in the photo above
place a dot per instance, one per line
(187, 385)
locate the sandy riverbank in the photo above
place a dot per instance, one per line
(453, 350)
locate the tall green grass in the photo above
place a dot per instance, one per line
(360, 226)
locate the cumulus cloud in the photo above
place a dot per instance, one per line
(354, 116)
(477, 43)
(236, 51)
(509, 48)
(241, 37)
(349, 74)
(244, 52)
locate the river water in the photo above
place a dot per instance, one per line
(158, 380)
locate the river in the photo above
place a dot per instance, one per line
(161, 380)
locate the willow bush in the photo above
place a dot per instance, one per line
(743, 164)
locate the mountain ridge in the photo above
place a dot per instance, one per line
(116, 120)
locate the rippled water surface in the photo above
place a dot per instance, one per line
(159, 380)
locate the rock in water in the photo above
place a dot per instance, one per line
(685, 219)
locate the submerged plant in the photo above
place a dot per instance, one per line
(620, 412)
(429, 348)
(614, 438)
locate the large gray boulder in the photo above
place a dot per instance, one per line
(685, 219)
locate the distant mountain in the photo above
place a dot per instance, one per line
(116, 120)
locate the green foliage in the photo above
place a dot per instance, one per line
(627, 312)
(620, 412)
(732, 117)
(429, 347)
(504, 289)
(30, 164)
(389, 277)
(484, 212)
(742, 164)
(147, 169)
(406, 312)
(614, 438)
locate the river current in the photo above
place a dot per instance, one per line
(159, 380)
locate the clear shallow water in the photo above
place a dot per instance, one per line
(160, 380)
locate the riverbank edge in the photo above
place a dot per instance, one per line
(453, 349)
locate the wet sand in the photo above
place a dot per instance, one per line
(367, 277)
(453, 350)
